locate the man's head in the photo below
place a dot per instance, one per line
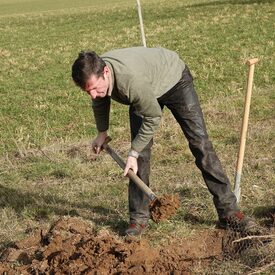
(90, 73)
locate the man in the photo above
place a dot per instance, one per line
(147, 79)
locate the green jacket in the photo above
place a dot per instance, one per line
(140, 76)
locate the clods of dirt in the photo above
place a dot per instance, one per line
(71, 246)
(164, 207)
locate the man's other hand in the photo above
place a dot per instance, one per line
(98, 142)
(131, 164)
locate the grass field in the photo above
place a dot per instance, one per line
(46, 125)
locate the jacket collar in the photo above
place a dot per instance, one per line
(111, 79)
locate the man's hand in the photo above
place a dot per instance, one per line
(131, 164)
(98, 141)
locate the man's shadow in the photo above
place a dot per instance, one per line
(45, 204)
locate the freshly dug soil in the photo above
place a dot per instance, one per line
(71, 246)
(164, 207)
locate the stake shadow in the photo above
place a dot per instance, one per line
(231, 2)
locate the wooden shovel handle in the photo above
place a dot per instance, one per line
(141, 184)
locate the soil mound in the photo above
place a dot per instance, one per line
(71, 246)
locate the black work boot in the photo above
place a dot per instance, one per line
(135, 229)
(239, 222)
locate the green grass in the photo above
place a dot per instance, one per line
(46, 167)
(26, 7)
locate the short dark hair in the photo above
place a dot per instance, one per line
(88, 63)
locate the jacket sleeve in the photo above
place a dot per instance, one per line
(101, 109)
(147, 106)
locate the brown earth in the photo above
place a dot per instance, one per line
(164, 207)
(71, 246)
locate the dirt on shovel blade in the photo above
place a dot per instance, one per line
(164, 207)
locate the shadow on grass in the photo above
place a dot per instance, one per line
(115, 222)
(267, 214)
(232, 2)
(195, 219)
(41, 207)
(40, 204)
(192, 211)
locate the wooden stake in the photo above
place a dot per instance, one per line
(237, 189)
(141, 23)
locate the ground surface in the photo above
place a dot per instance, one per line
(72, 246)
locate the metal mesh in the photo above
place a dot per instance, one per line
(255, 251)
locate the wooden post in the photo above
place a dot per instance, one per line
(237, 186)
(141, 23)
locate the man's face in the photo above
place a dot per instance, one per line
(98, 86)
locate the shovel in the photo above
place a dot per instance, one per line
(160, 208)
(141, 184)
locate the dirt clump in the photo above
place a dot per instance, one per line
(164, 207)
(71, 246)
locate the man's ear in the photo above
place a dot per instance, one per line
(106, 69)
